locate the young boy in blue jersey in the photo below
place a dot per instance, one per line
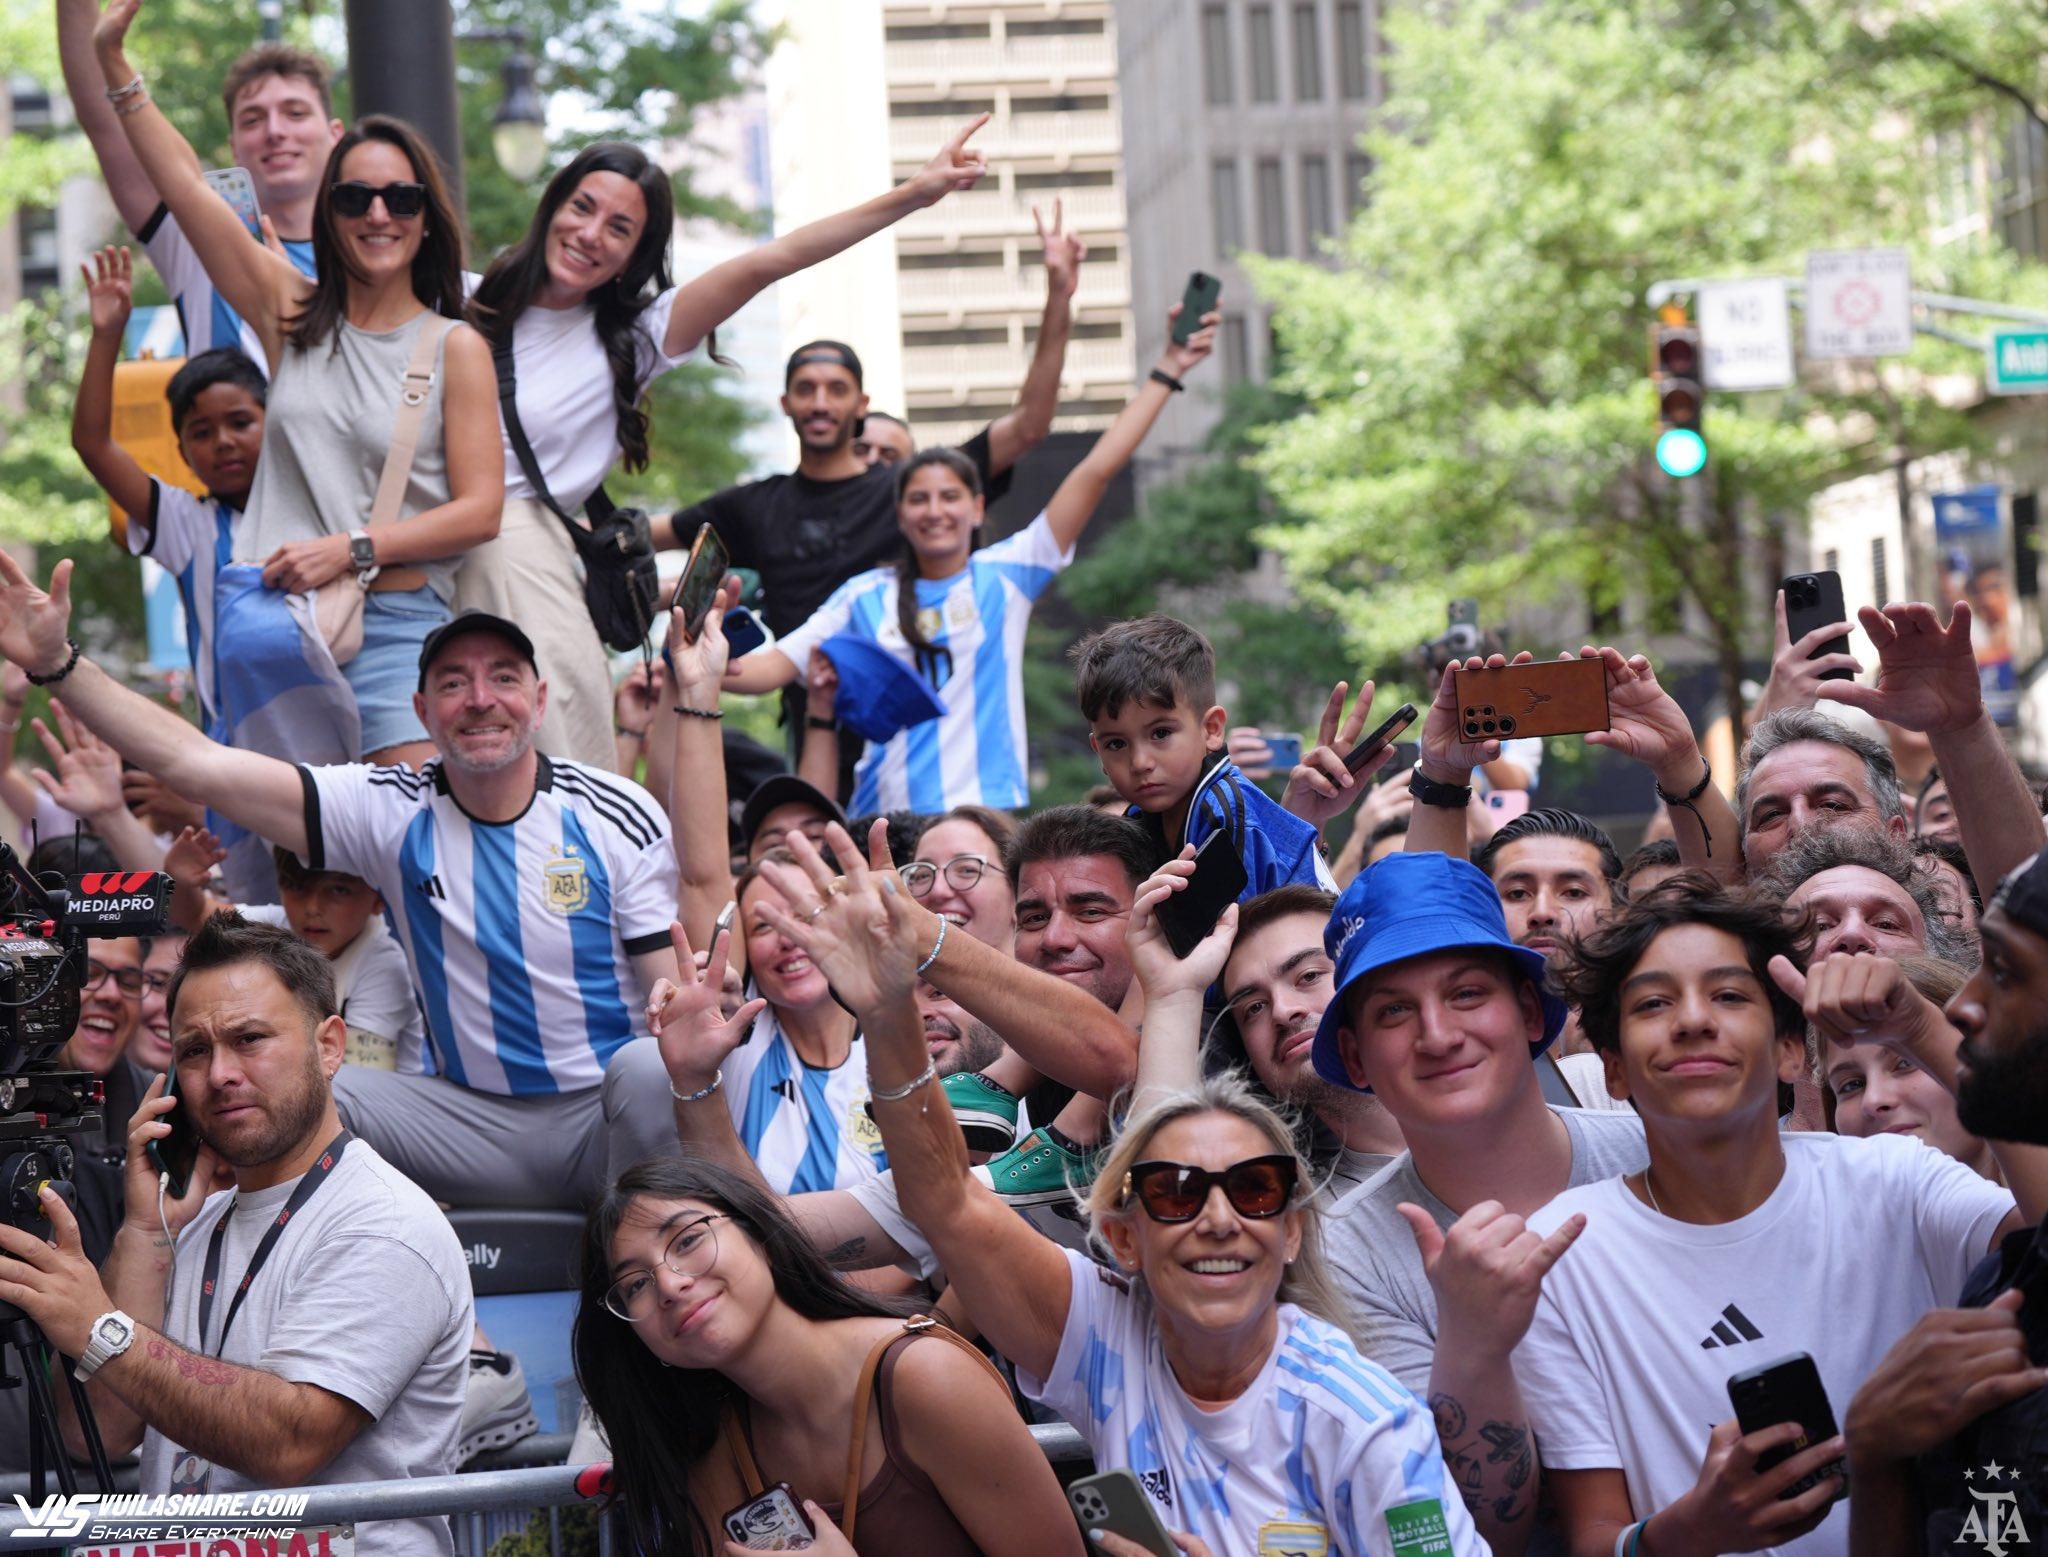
(217, 404)
(1148, 692)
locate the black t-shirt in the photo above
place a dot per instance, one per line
(806, 538)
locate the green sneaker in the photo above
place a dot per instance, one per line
(987, 1111)
(1036, 1172)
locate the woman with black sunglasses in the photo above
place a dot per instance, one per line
(387, 246)
(1214, 1360)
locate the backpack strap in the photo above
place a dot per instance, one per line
(922, 1324)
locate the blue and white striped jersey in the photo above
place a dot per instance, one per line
(518, 933)
(973, 754)
(207, 319)
(1278, 848)
(804, 1127)
(192, 539)
(1323, 1452)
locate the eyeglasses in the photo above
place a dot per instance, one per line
(129, 981)
(692, 1252)
(1174, 1192)
(401, 200)
(962, 872)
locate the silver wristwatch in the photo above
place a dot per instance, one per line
(112, 1334)
(362, 551)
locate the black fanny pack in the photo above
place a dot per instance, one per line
(621, 587)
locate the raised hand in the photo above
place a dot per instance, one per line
(700, 663)
(1795, 679)
(955, 167)
(1487, 1271)
(1446, 757)
(1246, 746)
(850, 925)
(85, 772)
(1063, 251)
(1152, 959)
(633, 701)
(110, 287)
(821, 685)
(1861, 997)
(688, 1019)
(1321, 787)
(111, 33)
(1926, 673)
(1645, 722)
(138, 1181)
(193, 855)
(33, 624)
(1178, 357)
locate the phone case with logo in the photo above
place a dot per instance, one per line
(1544, 697)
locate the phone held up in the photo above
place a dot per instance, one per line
(1788, 1390)
(1815, 600)
(1542, 697)
(235, 186)
(697, 589)
(1203, 293)
(1219, 880)
(1369, 748)
(177, 1153)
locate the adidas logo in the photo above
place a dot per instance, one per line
(1731, 1329)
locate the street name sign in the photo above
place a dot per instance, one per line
(2016, 362)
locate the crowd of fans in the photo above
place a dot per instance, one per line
(1456, 1171)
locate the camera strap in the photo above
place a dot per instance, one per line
(309, 1185)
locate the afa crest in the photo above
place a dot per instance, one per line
(566, 883)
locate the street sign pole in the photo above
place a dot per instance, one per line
(401, 61)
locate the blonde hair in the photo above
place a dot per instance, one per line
(1306, 1283)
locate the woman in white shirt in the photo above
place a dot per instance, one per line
(593, 317)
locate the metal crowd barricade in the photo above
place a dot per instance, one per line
(522, 1511)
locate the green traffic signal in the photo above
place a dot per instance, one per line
(1681, 452)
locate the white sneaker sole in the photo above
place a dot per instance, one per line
(496, 1435)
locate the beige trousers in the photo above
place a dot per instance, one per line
(531, 575)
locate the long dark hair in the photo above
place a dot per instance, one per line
(929, 656)
(508, 287)
(661, 1422)
(436, 268)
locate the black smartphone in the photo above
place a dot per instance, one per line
(1406, 755)
(1788, 1390)
(1815, 600)
(697, 589)
(1219, 880)
(177, 1153)
(1371, 746)
(1203, 293)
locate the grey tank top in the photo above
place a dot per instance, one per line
(326, 432)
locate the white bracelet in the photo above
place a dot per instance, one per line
(717, 1081)
(936, 945)
(930, 1070)
(116, 94)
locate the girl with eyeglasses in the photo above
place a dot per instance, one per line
(1212, 1356)
(758, 1350)
(387, 244)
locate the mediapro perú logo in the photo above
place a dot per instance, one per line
(67, 1516)
(1994, 1524)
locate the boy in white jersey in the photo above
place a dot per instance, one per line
(1736, 1247)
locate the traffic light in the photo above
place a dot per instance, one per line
(1675, 372)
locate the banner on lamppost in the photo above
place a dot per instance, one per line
(1970, 535)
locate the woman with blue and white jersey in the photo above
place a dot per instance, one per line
(957, 616)
(1213, 1359)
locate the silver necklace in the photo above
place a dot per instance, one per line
(1650, 1189)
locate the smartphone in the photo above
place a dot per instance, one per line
(1815, 600)
(697, 589)
(1286, 749)
(1117, 1501)
(1406, 755)
(235, 186)
(1370, 747)
(1219, 880)
(177, 1153)
(743, 632)
(1543, 697)
(1788, 1390)
(771, 1522)
(1203, 293)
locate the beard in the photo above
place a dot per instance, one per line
(512, 753)
(288, 1120)
(2004, 1097)
(974, 1050)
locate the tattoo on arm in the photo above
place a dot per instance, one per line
(191, 1365)
(1494, 1465)
(846, 1253)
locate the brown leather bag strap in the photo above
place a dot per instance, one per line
(414, 389)
(923, 1324)
(743, 1455)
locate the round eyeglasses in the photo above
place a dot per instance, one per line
(962, 873)
(691, 1252)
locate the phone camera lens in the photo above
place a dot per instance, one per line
(1507, 724)
(1471, 729)
(1488, 726)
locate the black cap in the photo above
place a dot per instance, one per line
(2023, 895)
(474, 622)
(822, 351)
(782, 790)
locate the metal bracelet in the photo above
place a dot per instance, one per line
(122, 93)
(936, 945)
(717, 1081)
(930, 1070)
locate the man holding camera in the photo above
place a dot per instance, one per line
(263, 1366)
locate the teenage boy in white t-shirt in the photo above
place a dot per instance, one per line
(1737, 1246)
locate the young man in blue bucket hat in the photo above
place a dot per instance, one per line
(1441, 1015)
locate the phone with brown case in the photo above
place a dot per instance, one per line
(1543, 697)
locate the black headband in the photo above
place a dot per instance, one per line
(823, 351)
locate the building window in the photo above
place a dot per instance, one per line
(1880, 574)
(1316, 219)
(1357, 170)
(36, 227)
(1237, 366)
(1351, 49)
(1265, 55)
(1308, 54)
(1225, 207)
(1216, 53)
(1272, 207)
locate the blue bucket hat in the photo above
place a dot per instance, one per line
(1409, 905)
(878, 694)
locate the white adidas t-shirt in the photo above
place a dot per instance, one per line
(1324, 1452)
(1641, 1325)
(806, 1128)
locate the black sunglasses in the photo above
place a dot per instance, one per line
(1174, 1192)
(401, 200)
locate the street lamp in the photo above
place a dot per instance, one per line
(519, 137)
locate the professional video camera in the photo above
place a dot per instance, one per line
(44, 926)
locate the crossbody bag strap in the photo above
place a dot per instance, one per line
(414, 389)
(923, 1324)
(508, 408)
(743, 1455)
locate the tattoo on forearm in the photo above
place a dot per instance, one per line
(190, 1365)
(1494, 1466)
(846, 1253)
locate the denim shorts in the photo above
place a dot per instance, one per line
(386, 670)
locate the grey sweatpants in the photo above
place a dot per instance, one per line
(469, 1148)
